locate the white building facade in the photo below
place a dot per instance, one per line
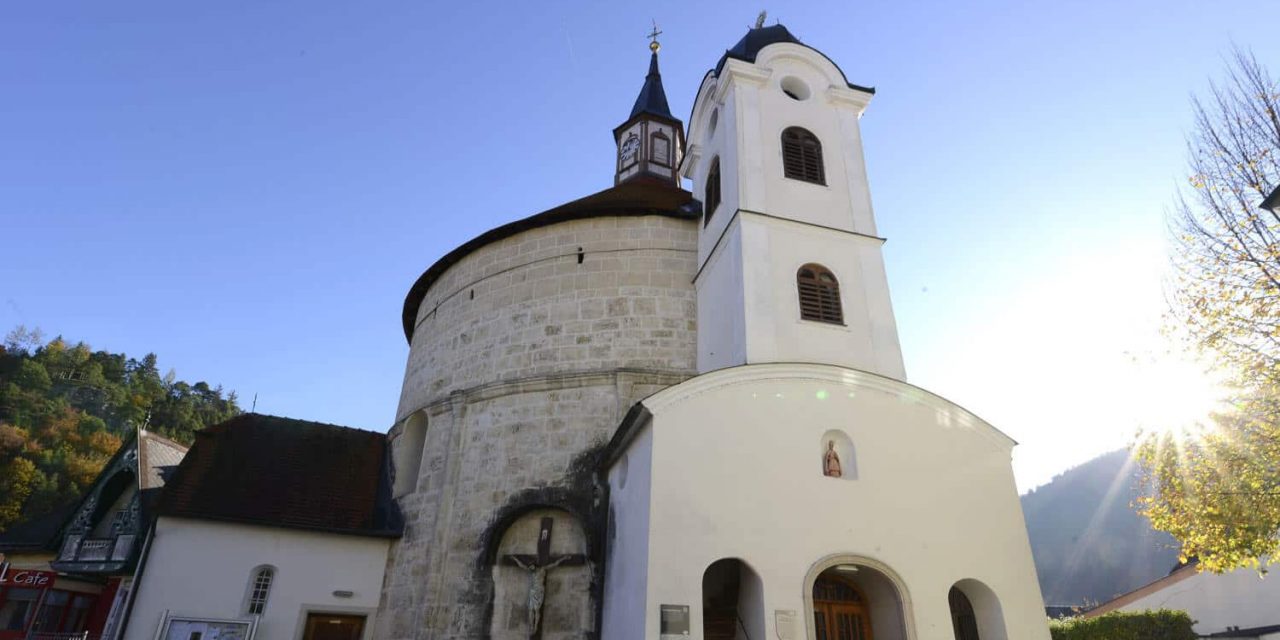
(204, 574)
(654, 414)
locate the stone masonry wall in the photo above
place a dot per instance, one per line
(524, 358)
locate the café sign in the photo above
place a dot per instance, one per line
(11, 577)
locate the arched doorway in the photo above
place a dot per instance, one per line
(732, 601)
(963, 621)
(885, 609)
(840, 610)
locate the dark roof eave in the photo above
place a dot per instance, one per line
(363, 533)
(596, 205)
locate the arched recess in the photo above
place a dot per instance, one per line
(732, 601)
(888, 603)
(976, 613)
(542, 579)
(113, 504)
(836, 450)
(406, 456)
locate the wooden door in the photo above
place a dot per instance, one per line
(327, 626)
(839, 611)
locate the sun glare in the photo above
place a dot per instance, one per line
(1174, 394)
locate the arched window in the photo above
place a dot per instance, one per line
(802, 156)
(712, 196)
(259, 587)
(660, 149)
(819, 294)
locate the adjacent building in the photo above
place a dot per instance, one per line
(271, 528)
(1237, 604)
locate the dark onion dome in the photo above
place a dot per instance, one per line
(757, 39)
(652, 99)
(637, 198)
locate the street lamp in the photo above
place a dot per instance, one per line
(1272, 203)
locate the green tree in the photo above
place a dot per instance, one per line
(1217, 490)
(65, 409)
(16, 478)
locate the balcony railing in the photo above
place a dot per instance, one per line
(96, 549)
(77, 549)
(74, 635)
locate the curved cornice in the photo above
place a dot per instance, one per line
(854, 378)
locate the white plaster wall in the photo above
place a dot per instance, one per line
(626, 574)
(737, 475)
(722, 342)
(774, 250)
(767, 225)
(202, 568)
(749, 309)
(1236, 599)
(753, 112)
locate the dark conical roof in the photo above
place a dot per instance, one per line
(652, 99)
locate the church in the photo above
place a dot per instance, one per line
(652, 413)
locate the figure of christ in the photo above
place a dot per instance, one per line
(538, 566)
(831, 461)
(537, 588)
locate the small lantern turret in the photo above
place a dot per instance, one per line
(650, 143)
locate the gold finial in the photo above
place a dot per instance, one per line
(760, 19)
(653, 35)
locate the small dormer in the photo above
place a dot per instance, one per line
(104, 534)
(650, 143)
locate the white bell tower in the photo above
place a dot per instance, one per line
(790, 265)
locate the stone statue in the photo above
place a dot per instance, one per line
(831, 461)
(537, 588)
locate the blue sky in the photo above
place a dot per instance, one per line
(249, 188)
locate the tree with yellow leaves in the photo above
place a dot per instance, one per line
(1218, 490)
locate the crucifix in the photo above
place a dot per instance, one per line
(538, 566)
(653, 37)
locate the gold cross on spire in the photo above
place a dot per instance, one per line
(653, 35)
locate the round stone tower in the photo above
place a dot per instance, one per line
(528, 344)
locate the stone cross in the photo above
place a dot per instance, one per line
(538, 566)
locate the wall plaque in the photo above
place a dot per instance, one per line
(673, 623)
(784, 623)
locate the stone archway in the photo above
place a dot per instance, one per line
(541, 579)
(881, 603)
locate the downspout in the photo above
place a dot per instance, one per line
(137, 582)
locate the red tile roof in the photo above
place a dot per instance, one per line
(289, 473)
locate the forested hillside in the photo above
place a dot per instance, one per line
(1089, 543)
(65, 409)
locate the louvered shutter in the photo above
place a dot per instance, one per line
(819, 293)
(802, 156)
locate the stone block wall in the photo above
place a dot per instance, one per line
(525, 356)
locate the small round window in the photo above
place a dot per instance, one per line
(795, 88)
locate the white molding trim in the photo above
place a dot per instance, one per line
(804, 55)
(832, 374)
(848, 98)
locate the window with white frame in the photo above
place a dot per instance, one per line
(259, 588)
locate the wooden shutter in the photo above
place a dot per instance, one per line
(802, 156)
(819, 293)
